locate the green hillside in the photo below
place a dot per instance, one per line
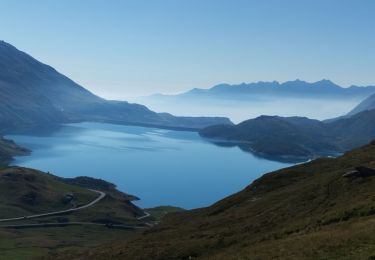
(309, 211)
(25, 193)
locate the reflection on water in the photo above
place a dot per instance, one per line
(162, 167)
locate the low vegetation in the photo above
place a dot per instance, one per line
(309, 211)
(25, 192)
(158, 213)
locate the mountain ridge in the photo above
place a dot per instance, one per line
(33, 93)
(297, 88)
(296, 138)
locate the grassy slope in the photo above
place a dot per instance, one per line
(15, 182)
(25, 191)
(304, 212)
(160, 212)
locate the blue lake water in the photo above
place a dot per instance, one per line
(161, 167)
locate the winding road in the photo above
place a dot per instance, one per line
(43, 225)
(99, 198)
(144, 216)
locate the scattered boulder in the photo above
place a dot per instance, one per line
(360, 171)
(68, 198)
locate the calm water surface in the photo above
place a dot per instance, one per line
(162, 167)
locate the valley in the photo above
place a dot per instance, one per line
(134, 158)
(261, 170)
(308, 211)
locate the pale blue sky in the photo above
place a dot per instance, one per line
(135, 47)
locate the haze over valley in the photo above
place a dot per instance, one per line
(126, 133)
(320, 100)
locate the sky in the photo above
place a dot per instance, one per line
(124, 48)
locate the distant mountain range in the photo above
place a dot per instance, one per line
(290, 89)
(299, 138)
(32, 93)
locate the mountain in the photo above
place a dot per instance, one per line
(367, 104)
(32, 93)
(323, 209)
(290, 89)
(296, 138)
(8, 149)
(279, 138)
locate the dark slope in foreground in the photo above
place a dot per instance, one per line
(26, 192)
(296, 138)
(32, 93)
(309, 211)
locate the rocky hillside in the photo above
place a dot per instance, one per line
(323, 209)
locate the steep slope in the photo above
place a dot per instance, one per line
(367, 104)
(32, 93)
(354, 131)
(309, 211)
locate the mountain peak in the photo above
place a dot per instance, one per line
(326, 81)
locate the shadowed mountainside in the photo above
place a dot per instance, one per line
(296, 138)
(309, 211)
(32, 93)
(8, 149)
(365, 105)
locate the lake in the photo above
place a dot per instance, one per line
(161, 167)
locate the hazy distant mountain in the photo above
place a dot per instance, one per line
(285, 138)
(367, 104)
(290, 89)
(34, 93)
